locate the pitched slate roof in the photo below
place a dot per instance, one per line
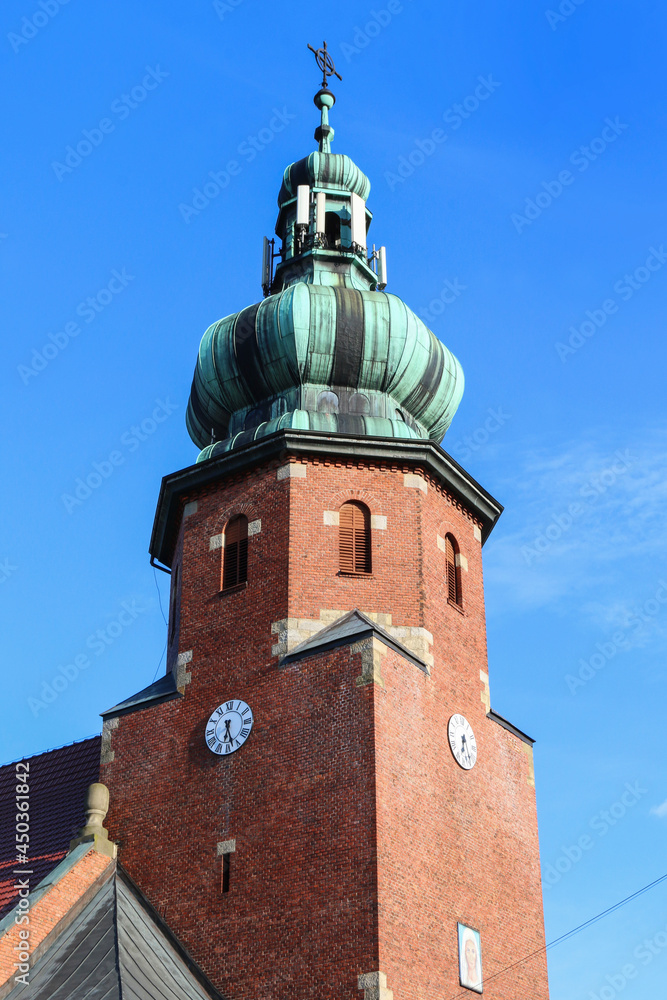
(115, 948)
(158, 691)
(349, 628)
(58, 781)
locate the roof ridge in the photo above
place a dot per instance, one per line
(41, 753)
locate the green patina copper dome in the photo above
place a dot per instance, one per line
(324, 170)
(327, 349)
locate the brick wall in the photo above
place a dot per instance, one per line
(359, 842)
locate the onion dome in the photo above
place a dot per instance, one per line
(332, 171)
(328, 349)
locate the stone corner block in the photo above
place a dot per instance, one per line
(107, 755)
(190, 508)
(379, 522)
(528, 750)
(477, 533)
(374, 985)
(254, 527)
(485, 693)
(331, 517)
(226, 847)
(216, 542)
(372, 651)
(293, 470)
(415, 482)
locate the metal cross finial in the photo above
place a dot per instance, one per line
(325, 63)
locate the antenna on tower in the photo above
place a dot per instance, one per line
(382, 268)
(267, 265)
(378, 261)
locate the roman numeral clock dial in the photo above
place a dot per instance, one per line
(228, 727)
(462, 741)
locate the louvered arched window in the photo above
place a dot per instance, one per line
(354, 538)
(453, 571)
(235, 552)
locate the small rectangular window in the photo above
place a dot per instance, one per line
(226, 865)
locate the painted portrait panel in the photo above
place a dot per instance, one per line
(470, 958)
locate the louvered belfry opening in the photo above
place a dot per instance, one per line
(354, 534)
(453, 571)
(235, 552)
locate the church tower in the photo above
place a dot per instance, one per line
(317, 796)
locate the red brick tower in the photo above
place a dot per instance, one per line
(317, 795)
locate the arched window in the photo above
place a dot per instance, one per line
(354, 538)
(359, 403)
(327, 402)
(453, 571)
(235, 552)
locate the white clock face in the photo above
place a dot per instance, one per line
(229, 727)
(462, 741)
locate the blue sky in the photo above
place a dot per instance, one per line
(529, 223)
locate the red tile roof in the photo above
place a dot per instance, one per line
(58, 780)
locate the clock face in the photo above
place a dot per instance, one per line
(462, 741)
(229, 727)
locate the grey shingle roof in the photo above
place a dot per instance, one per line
(115, 948)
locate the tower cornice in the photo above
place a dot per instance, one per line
(180, 486)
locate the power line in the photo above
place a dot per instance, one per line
(159, 597)
(569, 934)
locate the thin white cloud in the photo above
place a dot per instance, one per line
(660, 810)
(607, 552)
